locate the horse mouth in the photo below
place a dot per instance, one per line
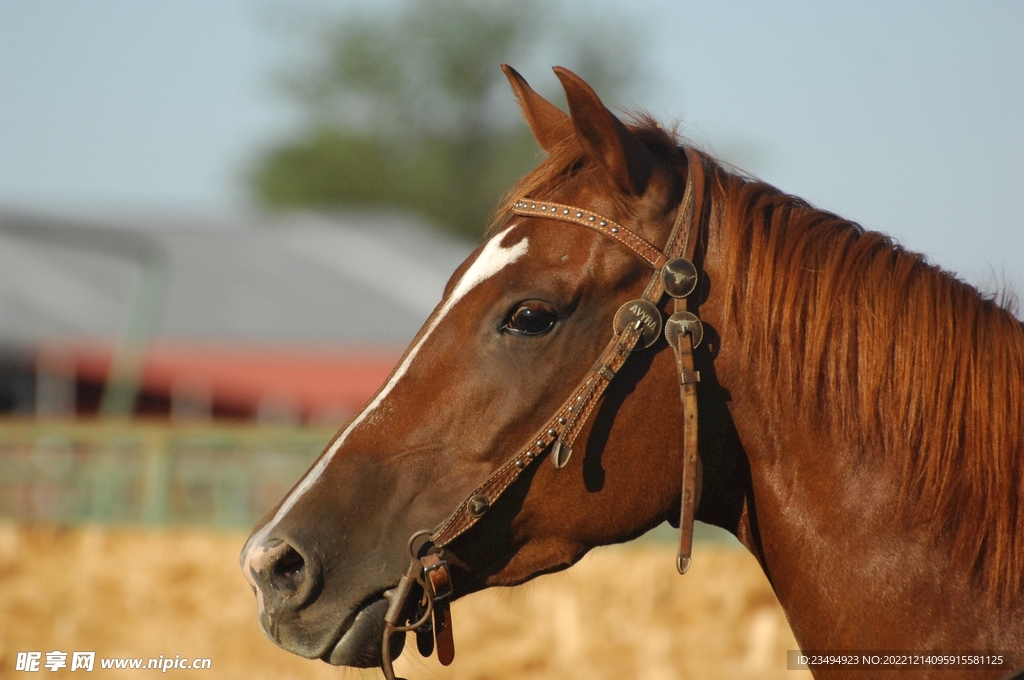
(360, 643)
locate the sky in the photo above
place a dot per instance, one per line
(903, 116)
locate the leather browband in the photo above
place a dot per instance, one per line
(566, 213)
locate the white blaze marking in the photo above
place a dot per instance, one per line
(493, 258)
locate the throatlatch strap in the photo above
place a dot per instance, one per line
(683, 345)
(688, 378)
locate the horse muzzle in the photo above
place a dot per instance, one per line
(288, 583)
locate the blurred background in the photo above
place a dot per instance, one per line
(200, 204)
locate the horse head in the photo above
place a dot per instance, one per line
(519, 327)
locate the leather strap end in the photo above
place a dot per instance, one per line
(443, 633)
(560, 454)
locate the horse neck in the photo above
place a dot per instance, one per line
(823, 504)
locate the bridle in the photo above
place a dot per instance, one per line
(637, 325)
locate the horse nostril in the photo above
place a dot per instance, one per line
(287, 571)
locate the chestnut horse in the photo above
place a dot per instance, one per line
(861, 422)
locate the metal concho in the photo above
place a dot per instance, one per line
(684, 322)
(478, 505)
(647, 314)
(679, 277)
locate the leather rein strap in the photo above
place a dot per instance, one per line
(638, 324)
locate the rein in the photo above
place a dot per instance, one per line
(637, 326)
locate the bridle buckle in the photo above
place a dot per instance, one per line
(437, 577)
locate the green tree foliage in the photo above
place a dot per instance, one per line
(411, 110)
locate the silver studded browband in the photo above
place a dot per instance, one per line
(567, 213)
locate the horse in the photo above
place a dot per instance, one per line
(647, 334)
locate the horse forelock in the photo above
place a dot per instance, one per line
(869, 342)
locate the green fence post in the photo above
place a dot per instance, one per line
(156, 488)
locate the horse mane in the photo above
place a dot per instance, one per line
(872, 344)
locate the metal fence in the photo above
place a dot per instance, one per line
(158, 473)
(226, 476)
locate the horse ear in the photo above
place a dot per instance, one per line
(605, 138)
(550, 125)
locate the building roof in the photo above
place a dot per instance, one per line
(357, 279)
(302, 310)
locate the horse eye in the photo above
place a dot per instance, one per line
(531, 318)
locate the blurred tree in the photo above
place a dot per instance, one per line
(410, 109)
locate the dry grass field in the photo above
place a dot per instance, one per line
(141, 593)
